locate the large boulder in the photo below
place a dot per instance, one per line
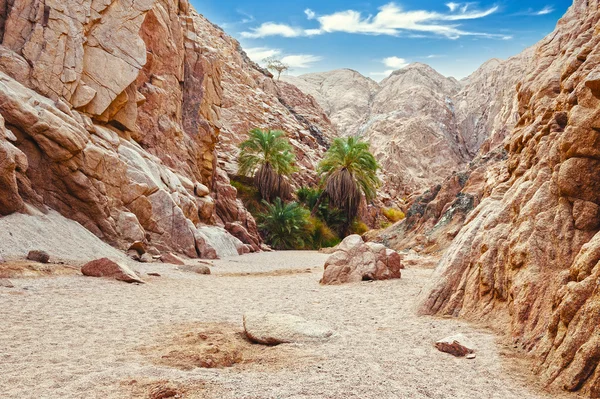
(107, 268)
(279, 328)
(354, 260)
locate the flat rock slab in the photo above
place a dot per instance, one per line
(457, 345)
(280, 328)
(107, 268)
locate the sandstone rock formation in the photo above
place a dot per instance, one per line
(528, 257)
(107, 268)
(111, 115)
(354, 261)
(279, 328)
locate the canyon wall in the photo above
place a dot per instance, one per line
(528, 258)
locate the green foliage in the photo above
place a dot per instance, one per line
(286, 226)
(349, 171)
(334, 218)
(393, 215)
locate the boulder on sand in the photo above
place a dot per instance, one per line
(107, 268)
(457, 345)
(279, 328)
(354, 260)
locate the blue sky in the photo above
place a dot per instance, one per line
(377, 37)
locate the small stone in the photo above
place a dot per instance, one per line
(138, 247)
(457, 345)
(38, 256)
(198, 269)
(6, 283)
(154, 274)
(471, 356)
(146, 258)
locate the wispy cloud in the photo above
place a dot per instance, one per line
(301, 61)
(258, 54)
(546, 10)
(532, 12)
(297, 61)
(391, 19)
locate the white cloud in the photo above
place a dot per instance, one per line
(452, 6)
(273, 29)
(395, 62)
(546, 10)
(391, 19)
(258, 54)
(300, 60)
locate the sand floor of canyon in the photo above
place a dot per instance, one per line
(70, 336)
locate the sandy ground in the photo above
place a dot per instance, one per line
(80, 337)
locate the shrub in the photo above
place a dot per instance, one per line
(334, 218)
(393, 215)
(321, 235)
(285, 226)
(358, 227)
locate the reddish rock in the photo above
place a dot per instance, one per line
(107, 268)
(38, 256)
(354, 260)
(457, 345)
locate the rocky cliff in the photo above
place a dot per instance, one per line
(528, 258)
(422, 126)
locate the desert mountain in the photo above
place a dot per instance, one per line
(422, 126)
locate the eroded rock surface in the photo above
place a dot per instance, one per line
(111, 116)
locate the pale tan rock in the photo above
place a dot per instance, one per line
(279, 328)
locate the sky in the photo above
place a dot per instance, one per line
(378, 37)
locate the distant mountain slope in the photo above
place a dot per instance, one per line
(422, 126)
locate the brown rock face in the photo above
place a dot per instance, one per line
(111, 115)
(528, 257)
(354, 261)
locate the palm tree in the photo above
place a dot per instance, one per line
(349, 170)
(268, 156)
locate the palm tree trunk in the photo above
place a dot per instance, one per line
(315, 209)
